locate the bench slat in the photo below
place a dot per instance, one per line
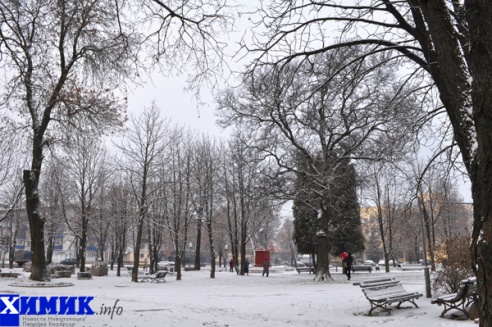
(367, 283)
(405, 296)
(384, 285)
(385, 291)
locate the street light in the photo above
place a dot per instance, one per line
(190, 246)
(424, 254)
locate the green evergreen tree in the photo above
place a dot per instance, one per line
(345, 231)
(305, 223)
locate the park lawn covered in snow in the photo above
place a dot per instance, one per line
(285, 298)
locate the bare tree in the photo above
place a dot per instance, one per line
(455, 218)
(12, 159)
(205, 180)
(142, 147)
(8, 147)
(332, 119)
(86, 175)
(285, 239)
(155, 229)
(447, 42)
(435, 192)
(248, 201)
(183, 36)
(176, 191)
(63, 60)
(384, 190)
(53, 197)
(122, 208)
(101, 214)
(13, 231)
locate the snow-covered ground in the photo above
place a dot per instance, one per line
(285, 298)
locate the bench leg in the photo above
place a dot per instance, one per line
(460, 306)
(158, 280)
(410, 300)
(380, 305)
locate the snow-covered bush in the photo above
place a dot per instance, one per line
(454, 258)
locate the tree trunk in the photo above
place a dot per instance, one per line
(382, 232)
(142, 213)
(212, 245)
(482, 235)
(121, 253)
(11, 257)
(83, 243)
(177, 267)
(323, 268)
(242, 251)
(36, 223)
(51, 240)
(198, 241)
(101, 252)
(479, 14)
(136, 251)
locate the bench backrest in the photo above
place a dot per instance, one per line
(472, 287)
(161, 274)
(377, 291)
(462, 291)
(379, 284)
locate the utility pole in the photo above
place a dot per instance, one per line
(426, 267)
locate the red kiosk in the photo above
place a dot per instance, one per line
(260, 256)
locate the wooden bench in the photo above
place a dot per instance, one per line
(411, 266)
(361, 268)
(459, 300)
(9, 275)
(158, 277)
(305, 269)
(384, 292)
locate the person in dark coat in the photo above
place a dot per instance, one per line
(231, 265)
(348, 264)
(266, 267)
(246, 267)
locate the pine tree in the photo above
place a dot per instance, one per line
(345, 231)
(345, 225)
(305, 222)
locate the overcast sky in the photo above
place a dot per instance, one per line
(177, 104)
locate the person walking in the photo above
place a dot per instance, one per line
(266, 268)
(246, 267)
(231, 265)
(348, 264)
(344, 257)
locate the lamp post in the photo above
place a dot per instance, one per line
(190, 247)
(426, 267)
